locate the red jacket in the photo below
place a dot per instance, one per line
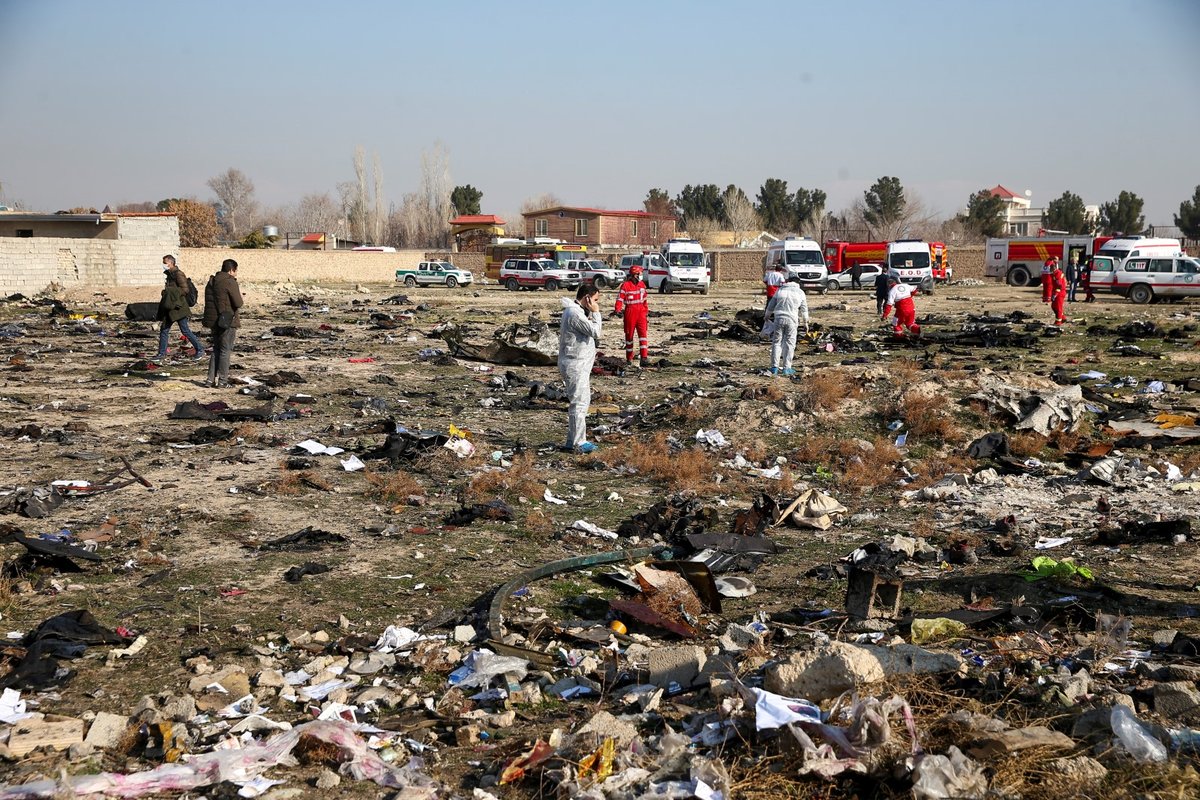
(632, 297)
(1058, 281)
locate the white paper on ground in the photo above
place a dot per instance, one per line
(315, 448)
(1047, 542)
(550, 498)
(774, 710)
(352, 464)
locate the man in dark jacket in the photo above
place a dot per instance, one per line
(222, 299)
(881, 291)
(174, 307)
(856, 276)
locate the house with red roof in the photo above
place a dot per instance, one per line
(600, 227)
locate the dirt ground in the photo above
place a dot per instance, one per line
(185, 567)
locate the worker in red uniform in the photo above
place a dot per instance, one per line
(1058, 296)
(631, 302)
(775, 277)
(1047, 271)
(900, 297)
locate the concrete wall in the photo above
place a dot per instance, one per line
(133, 258)
(747, 265)
(302, 266)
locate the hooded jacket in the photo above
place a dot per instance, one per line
(222, 296)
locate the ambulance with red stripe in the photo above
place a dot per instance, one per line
(1019, 261)
(682, 266)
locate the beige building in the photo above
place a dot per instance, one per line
(37, 250)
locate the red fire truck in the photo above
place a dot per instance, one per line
(841, 256)
(1019, 261)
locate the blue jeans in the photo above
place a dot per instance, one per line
(1074, 286)
(164, 334)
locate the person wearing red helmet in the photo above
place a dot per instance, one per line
(1058, 297)
(1047, 271)
(632, 305)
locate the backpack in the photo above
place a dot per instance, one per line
(192, 294)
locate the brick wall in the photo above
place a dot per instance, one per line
(563, 227)
(737, 265)
(303, 266)
(967, 262)
(475, 262)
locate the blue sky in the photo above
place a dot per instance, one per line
(103, 103)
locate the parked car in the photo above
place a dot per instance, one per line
(842, 280)
(593, 270)
(1144, 280)
(538, 273)
(434, 273)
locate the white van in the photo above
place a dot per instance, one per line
(685, 268)
(1121, 250)
(803, 258)
(1134, 246)
(1144, 279)
(909, 260)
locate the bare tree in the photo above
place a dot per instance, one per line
(435, 191)
(913, 221)
(740, 213)
(378, 221)
(361, 201)
(235, 196)
(312, 213)
(514, 224)
(538, 202)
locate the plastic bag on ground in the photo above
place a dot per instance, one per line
(241, 765)
(932, 630)
(1135, 737)
(952, 776)
(487, 665)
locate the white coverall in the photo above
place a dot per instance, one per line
(578, 336)
(787, 306)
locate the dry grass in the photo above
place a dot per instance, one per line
(932, 469)
(826, 390)
(1187, 462)
(905, 371)
(1024, 445)
(540, 523)
(294, 482)
(1066, 441)
(690, 412)
(856, 466)
(928, 418)
(756, 451)
(653, 458)
(522, 479)
(393, 488)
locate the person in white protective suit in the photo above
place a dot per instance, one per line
(578, 337)
(785, 309)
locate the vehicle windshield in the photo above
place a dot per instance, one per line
(909, 261)
(804, 257)
(593, 264)
(685, 259)
(1120, 255)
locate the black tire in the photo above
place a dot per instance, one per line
(451, 281)
(832, 285)
(662, 288)
(552, 285)
(704, 290)
(410, 281)
(512, 284)
(1019, 276)
(601, 282)
(667, 288)
(1141, 293)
